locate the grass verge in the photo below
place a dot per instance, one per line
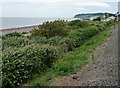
(71, 62)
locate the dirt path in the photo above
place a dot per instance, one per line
(102, 72)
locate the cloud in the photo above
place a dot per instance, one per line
(0, 10)
(96, 4)
(82, 4)
(53, 8)
(79, 1)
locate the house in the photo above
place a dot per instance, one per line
(103, 18)
(110, 18)
(93, 17)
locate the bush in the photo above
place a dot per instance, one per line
(79, 24)
(110, 23)
(40, 40)
(89, 32)
(24, 32)
(15, 42)
(49, 29)
(67, 44)
(18, 66)
(101, 27)
(43, 40)
(54, 40)
(79, 36)
(13, 34)
(74, 33)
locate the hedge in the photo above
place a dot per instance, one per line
(18, 66)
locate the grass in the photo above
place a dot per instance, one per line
(71, 62)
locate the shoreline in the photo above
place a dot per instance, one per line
(17, 29)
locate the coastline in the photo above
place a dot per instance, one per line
(17, 29)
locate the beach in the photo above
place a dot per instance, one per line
(22, 24)
(17, 29)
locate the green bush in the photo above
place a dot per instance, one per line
(74, 33)
(18, 66)
(79, 24)
(39, 40)
(43, 40)
(101, 27)
(67, 43)
(49, 29)
(15, 42)
(24, 32)
(110, 23)
(79, 36)
(54, 40)
(89, 32)
(13, 34)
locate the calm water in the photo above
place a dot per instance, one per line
(13, 22)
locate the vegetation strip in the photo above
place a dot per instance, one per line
(71, 62)
(51, 46)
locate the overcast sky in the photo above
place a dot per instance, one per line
(55, 8)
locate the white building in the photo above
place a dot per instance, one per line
(93, 17)
(75, 19)
(110, 18)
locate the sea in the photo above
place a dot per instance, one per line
(15, 22)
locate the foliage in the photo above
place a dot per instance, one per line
(79, 24)
(15, 42)
(54, 40)
(13, 34)
(74, 33)
(79, 36)
(66, 44)
(39, 40)
(49, 29)
(25, 56)
(71, 62)
(18, 66)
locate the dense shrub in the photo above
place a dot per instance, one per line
(21, 64)
(49, 29)
(110, 23)
(79, 36)
(54, 40)
(15, 42)
(74, 33)
(89, 32)
(101, 27)
(67, 44)
(13, 34)
(39, 40)
(79, 24)
(24, 33)
(43, 40)
(24, 56)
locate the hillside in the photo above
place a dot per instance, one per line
(88, 15)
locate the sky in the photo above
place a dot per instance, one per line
(55, 8)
